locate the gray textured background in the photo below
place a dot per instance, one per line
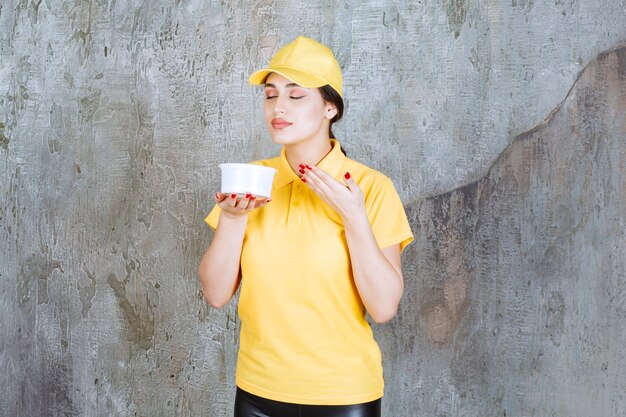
(510, 126)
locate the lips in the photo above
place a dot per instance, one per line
(280, 123)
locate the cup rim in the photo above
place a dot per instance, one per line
(251, 167)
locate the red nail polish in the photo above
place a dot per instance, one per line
(303, 179)
(247, 195)
(233, 195)
(301, 171)
(347, 175)
(301, 165)
(309, 167)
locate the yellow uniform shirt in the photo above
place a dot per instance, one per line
(304, 335)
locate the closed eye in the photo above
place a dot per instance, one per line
(294, 98)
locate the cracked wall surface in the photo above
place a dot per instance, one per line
(520, 289)
(501, 124)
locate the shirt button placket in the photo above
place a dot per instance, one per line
(293, 204)
(294, 195)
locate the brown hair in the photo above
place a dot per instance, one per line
(331, 96)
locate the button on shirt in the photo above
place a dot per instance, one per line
(304, 334)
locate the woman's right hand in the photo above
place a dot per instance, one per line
(236, 206)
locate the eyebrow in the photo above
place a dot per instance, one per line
(288, 85)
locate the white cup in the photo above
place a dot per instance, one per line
(247, 178)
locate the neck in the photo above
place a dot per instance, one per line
(307, 152)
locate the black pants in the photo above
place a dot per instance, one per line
(250, 405)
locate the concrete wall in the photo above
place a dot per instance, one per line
(517, 295)
(114, 116)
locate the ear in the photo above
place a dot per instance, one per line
(331, 111)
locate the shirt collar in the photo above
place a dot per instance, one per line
(331, 163)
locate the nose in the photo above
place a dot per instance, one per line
(280, 105)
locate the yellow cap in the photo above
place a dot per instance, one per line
(306, 62)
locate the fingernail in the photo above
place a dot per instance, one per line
(309, 167)
(303, 179)
(347, 175)
(269, 199)
(233, 195)
(253, 197)
(301, 171)
(247, 195)
(301, 165)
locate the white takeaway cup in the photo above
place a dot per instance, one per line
(247, 178)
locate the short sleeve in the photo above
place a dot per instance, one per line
(387, 216)
(213, 216)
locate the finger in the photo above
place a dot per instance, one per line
(250, 199)
(351, 183)
(262, 202)
(317, 183)
(325, 178)
(242, 204)
(219, 197)
(232, 200)
(251, 202)
(321, 191)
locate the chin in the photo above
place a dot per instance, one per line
(282, 139)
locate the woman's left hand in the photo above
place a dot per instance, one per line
(346, 199)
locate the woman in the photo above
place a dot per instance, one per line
(311, 262)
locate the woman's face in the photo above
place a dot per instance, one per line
(295, 114)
